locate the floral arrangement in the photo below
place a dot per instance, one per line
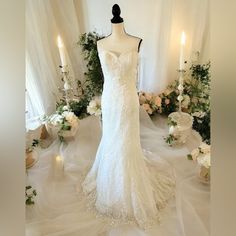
(196, 100)
(94, 107)
(93, 78)
(30, 193)
(150, 102)
(180, 127)
(65, 122)
(171, 139)
(202, 156)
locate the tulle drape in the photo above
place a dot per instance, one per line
(60, 210)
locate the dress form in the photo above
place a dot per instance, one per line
(118, 41)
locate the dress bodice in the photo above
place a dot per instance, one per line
(120, 68)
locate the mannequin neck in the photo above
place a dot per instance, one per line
(118, 31)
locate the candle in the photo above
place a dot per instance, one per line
(61, 51)
(181, 57)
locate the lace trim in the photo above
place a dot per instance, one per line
(163, 192)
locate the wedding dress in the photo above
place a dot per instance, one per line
(122, 183)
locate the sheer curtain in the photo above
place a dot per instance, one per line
(45, 20)
(158, 22)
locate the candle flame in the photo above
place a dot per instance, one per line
(58, 158)
(183, 38)
(59, 41)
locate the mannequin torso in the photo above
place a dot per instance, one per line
(119, 41)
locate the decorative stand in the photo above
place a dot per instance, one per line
(181, 88)
(182, 120)
(67, 85)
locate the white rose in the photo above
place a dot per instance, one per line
(198, 114)
(172, 129)
(92, 103)
(205, 160)
(90, 110)
(70, 116)
(55, 119)
(195, 153)
(205, 148)
(65, 108)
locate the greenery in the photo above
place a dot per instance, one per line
(93, 78)
(64, 119)
(171, 122)
(170, 139)
(30, 193)
(196, 100)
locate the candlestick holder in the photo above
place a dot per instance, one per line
(180, 122)
(181, 88)
(67, 89)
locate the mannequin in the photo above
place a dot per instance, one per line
(118, 41)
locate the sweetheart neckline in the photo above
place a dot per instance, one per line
(114, 54)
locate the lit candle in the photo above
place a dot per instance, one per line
(182, 44)
(61, 51)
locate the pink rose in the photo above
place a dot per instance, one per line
(158, 101)
(167, 101)
(147, 108)
(148, 96)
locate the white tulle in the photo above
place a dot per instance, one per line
(123, 184)
(61, 208)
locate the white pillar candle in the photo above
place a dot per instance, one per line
(181, 56)
(62, 52)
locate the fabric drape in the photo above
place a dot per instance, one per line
(158, 22)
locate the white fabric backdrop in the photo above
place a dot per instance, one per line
(158, 22)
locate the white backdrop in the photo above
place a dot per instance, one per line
(158, 22)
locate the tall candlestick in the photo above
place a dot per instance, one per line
(181, 57)
(61, 52)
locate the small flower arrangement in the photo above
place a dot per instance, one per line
(150, 102)
(172, 138)
(202, 156)
(64, 122)
(94, 107)
(30, 193)
(180, 126)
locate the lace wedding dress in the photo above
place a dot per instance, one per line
(123, 183)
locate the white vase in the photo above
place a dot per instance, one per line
(183, 128)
